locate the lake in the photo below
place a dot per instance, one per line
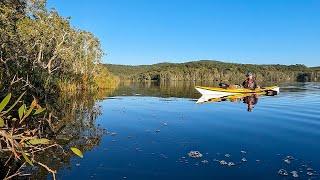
(149, 129)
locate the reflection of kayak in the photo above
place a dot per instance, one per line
(212, 92)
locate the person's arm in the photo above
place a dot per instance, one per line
(244, 84)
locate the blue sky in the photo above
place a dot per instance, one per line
(243, 31)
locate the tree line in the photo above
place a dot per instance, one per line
(41, 51)
(207, 70)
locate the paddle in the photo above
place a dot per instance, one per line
(271, 93)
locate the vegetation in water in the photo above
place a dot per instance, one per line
(36, 140)
(42, 57)
(20, 135)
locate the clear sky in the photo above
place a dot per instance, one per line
(242, 31)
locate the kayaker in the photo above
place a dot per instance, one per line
(250, 82)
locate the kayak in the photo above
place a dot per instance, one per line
(231, 91)
(213, 92)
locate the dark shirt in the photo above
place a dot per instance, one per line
(249, 84)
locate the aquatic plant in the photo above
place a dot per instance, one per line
(21, 135)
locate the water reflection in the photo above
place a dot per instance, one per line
(74, 119)
(71, 123)
(251, 101)
(155, 135)
(180, 89)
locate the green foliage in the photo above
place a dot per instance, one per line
(39, 49)
(27, 112)
(21, 111)
(15, 103)
(104, 83)
(26, 158)
(5, 101)
(1, 122)
(41, 54)
(38, 111)
(19, 141)
(206, 70)
(37, 141)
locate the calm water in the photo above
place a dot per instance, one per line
(151, 130)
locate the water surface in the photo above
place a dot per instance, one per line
(152, 128)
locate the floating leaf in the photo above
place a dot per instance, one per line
(77, 151)
(4, 102)
(1, 122)
(21, 110)
(39, 141)
(38, 111)
(27, 159)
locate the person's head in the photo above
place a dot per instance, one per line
(249, 75)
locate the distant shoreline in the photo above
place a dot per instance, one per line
(209, 60)
(209, 70)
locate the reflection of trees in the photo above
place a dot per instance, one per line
(160, 89)
(180, 89)
(72, 123)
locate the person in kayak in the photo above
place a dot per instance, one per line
(250, 82)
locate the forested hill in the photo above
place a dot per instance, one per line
(207, 70)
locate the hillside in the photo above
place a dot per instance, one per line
(207, 70)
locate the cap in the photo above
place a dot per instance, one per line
(249, 74)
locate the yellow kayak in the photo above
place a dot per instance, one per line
(239, 90)
(213, 92)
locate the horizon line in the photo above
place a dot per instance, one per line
(212, 60)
